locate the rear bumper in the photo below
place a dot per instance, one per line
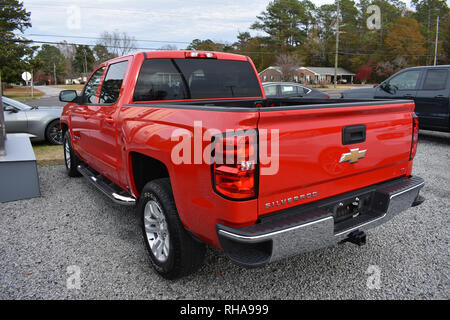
(302, 229)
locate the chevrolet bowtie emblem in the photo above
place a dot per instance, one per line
(353, 156)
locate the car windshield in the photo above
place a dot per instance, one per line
(16, 104)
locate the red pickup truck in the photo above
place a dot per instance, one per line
(191, 140)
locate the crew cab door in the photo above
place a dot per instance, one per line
(81, 113)
(432, 101)
(403, 85)
(103, 116)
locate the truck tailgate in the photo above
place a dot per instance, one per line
(314, 163)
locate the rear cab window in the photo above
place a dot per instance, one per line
(191, 79)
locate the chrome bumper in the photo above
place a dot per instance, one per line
(296, 232)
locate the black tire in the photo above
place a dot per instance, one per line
(185, 254)
(53, 133)
(71, 161)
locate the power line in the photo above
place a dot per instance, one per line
(99, 38)
(238, 52)
(366, 53)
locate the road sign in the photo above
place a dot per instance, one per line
(26, 76)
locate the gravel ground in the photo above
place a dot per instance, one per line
(73, 224)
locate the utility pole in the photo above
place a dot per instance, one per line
(54, 72)
(337, 45)
(437, 39)
(32, 84)
(2, 121)
(85, 62)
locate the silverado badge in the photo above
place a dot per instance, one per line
(353, 156)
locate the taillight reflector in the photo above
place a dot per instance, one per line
(234, 167)
(415, 136)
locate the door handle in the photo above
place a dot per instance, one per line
(353, 134)
(408, 96)
(110, 120)
(439, 96)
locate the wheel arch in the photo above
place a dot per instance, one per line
(143, 169)
(64, 126)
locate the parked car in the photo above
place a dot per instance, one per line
(291, 89)
(42, 123)
(180, 134)
(428, 86)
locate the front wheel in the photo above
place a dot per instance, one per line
(173, 252)
(53, 133)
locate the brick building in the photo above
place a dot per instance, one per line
(308, 75)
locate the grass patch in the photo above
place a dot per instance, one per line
(48, 155)
(22, 93)
(78, 87)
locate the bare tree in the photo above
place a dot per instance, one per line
(168, 47)
(117, 43)
(68, 51)
(287, 64)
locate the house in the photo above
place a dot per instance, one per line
(42, 78)
(308, 75)
(80, 80)
(271, 73)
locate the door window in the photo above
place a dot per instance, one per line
(90, 91)
(435, 80)
(270, 91)
(406, 80)
(288, 90)
(113, 82)
(303, 90)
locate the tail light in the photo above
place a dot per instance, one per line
(415, 136)
(197, 54)
(234, 166)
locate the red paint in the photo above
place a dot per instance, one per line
(309, 150)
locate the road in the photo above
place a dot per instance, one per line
(74, 229)
(51, 96)
(49, 99)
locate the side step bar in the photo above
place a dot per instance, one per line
(110, 189)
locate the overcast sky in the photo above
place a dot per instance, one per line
(176, 21)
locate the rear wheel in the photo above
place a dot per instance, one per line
(53, 133)
(70, 159)
(173, 252)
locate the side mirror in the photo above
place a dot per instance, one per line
(385, 87)
(68, 96)
(11, 109)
